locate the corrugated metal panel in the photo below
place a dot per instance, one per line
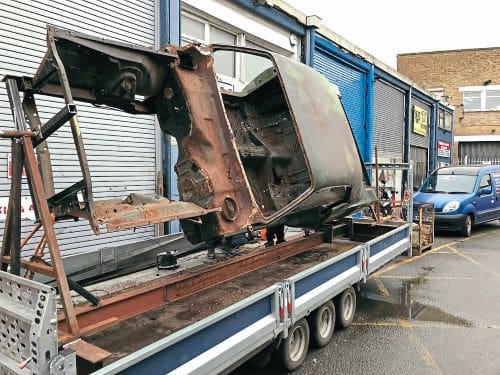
(352, 86)
(417, 139)
(388, 121)
(418, 156)
(477, 152)
(120, 147)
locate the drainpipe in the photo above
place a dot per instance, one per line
(370, 97)
(309, 41)
(433, 137)
(407, 133)
(170, 33)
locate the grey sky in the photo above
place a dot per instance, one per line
(385, 28)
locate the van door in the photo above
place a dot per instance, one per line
(486, 203)
(496, 188)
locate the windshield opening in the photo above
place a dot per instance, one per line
(449, 184)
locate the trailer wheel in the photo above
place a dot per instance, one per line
(346, 308)
(322, 323)
(293, 349)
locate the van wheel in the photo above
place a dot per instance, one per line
(345, 305)
(467, 226)
(293, 349)
(322, 323)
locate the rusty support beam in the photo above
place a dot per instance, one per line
(50, 235)
(172, 288)
(190, 283)
(76, 132)
(15, 207)
(31, 234)
(42, 149)
(37, 267)
(15, 133)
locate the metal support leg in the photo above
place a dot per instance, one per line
(15, 207)
(83, 292)
(77, 137)
(48, 227)
(43, 154)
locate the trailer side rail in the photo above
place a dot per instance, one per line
(388, 246)
(312, 287)
(213, 343)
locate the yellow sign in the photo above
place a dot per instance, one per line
(419, 120)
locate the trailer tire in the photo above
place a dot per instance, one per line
(345, 305)
(292, 351)
(322, 322)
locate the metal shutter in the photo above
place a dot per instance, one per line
(479, 152)
(120, 147)
(417, 139)
(352, 86)
(388, 121)
(418, 156)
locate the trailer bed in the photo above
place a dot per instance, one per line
(156, 324)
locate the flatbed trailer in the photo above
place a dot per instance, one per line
(226, 338)
(215, 330)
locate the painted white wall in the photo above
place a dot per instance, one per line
(235, 18)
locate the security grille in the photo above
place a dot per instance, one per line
(352, 86)
(389, 122)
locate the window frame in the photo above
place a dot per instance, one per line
(240, 37)
(482, 90)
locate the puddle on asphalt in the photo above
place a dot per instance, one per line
(403, 305)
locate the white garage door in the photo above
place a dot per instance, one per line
(120, 147)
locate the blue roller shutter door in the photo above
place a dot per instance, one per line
(352, 86)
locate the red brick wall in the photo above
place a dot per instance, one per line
(453, 69)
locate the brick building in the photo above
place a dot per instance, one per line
(469, 80)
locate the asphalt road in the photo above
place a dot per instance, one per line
(434, 314)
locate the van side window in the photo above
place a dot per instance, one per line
(485, 181)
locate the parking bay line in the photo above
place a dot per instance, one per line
(434, 278)
(411, 259)
(432, 325)
(463, 252)
(473, 261)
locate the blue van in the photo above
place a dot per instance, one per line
(462, 196)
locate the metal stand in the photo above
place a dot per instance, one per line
(23, 154)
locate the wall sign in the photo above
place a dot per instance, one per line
(419, 120)
(443, 149)
(9, 167)
(27, 210)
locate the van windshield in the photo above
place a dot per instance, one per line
(449, 184)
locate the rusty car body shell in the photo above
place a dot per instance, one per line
(279, 152)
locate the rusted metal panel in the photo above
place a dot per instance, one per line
(139, 209)
(267, 155)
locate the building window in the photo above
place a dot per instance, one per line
(445, 120)
(234, 70)
(197, 30)
(254, 65)
(441, 119)
(448, 121)
(481, 98)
